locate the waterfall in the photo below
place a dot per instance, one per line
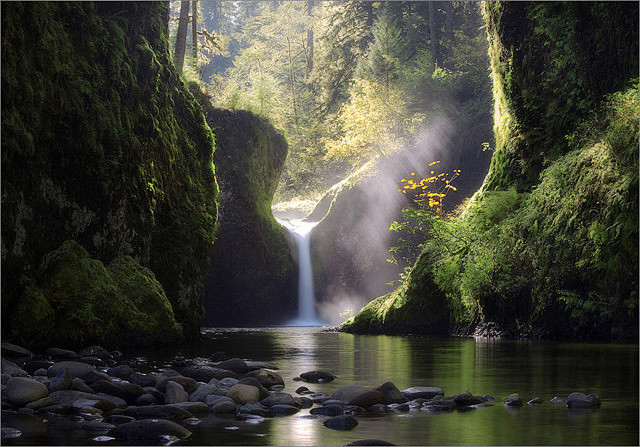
(301, 232)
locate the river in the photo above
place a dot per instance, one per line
(482, 366)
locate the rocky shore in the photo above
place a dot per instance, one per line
(102, 393)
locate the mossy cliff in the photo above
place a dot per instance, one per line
(252, 276)
(102, 144)
(549, 245)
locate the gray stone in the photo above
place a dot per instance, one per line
(117, 401)
(95, 361)
(12, 351)
(62, 380)
(44, 402)
(40, 372)
(284, 410)
(170, 412)
(253, 365)
(236, 365)
(368, 398)
(317, 376)
(224, 407)
(174, 393)
(188, 383)
(92, 376)
(121, 371)
(318, 398)
(242, 394)
(8, 367)
(303, 390)
(78, 384)
(257, 409)
(329, 410)
(120, 419)
(67, 397)
(264, 393)
(580, 400)
(557, 399)
(392, 395)
(148, 430)
(62, 353)
(202, 392)
(155, 392)
(513, 400)
(10, 432)
(535, 401)
(467, 399)
(143, 379)
(146, 399)
(426, 392)
(348, 392)
(212, 400)
(303, 402)
(192, 407)
(403, 408)
(278, 399)
(204, 373)
(107, 387)
(76, 369)
(21, 390)
(227, 383)
(5, 378)
(343, 422)
(33, 365)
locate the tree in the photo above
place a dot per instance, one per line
(181, 37)
(194, 29)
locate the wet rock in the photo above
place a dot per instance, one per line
(146, 399)
(8, 367)
(96, 351)
(188, 383)
(513, 400)
(159, 395)
(170, 373)
(40, 372)
(242, 394)
(236, 365)
(372, 442)
(174, 393)
(257, 409)
(264, 393)
(317, 376)
(402, 408)
(12, 351)
(193, 407)
(329, 410)
(116, 355)
(426, 392)
(62, 353)
(439, 403)
(21, 390)
(284, 410)
(95, 361)
(76, 369)
(467, 399)
(117, 401)
(119, 419)
(535, 401)
(143, 379)
(32, 365)
(303, 402)
(318, 398)
(379, 408)
(68, 397)
(40, 403)
(121, 371)
(266, 378)
(341, 423)
(392, 395)
(180, 362)
(348, 392)
(224, 407)
(368, 398)
(62, 381)
(303, 390)
(169, 412)
(9, 432)
(5, 378)
(278, 399)
(213, 400)
(227, 383)
(253, 365)
(488, 397)
(580, 400)
(93, 376)
(148, 430)
(557, 400)
(202, 392)
(204, 373)
(78, 384)
(107, 387)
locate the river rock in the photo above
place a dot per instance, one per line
(557, 400)
(155, 392)
(96, 351)
(392, 395)
(21, 390)
(580, 400)
(236, 365)
(204, 373)
(40, 372)
(4, 378)
(58, 353)
(318, 398)
(33, 365)
(284, 410)
(121, 371)
(242, 394)
(513, 400)
(170, 412)
(12, 351)
(76, 369)
(343, 422)
(193, 407)
(213, 400)
(317, 376)
(188, 383)
(143, 379)
(467, 399)
(278, 399)
(369, 442)
(368, 398)
(224, 407)
(303, 390)
(117, 401)
(348, 392)
(202, 392)
(303, 402)
(10, 433)
(148, 430)
(95, 361)
(78, 384)
(174, 393)
(227, 383)
(253, 365)
(146, 399)
(8, 367)
(256, 408)
(107, 387)
(264, 393)
(426, 392)
(40, 403)
(328, 410)
(131, 390)
(535, 401)
(68, 397)
(267, 378)
(62, 381)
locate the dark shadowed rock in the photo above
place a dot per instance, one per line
(535, 401)
(68, 397)
(329, 410)
(12, 351)
(224, 406)
(148, 430)
(317, 376)
(58, 353)
(213, 399)
(10, 432)
(303, 402)
(257, 409)
(341, 423)
(62, 381)
(202, 392)
(303, 390)
(117, 401)
(146, 399)
(278, 399)
(227, 383)
(284, 410)
(188, 383)
(513, 400)
(368, 398)
(318, 398)
(106, 387)
(175, 393)
(348, 392)
(392, 395)
(253, 365)
(96, 351)
(192, 407)
(266, 377)
(33, 365)
(21, 390)
(44, 402)
(95, 361)
(369, 442)
(76, 369)
(264, 393)
(143, 379)
(204, 373)
(236, 365)
(426, 392)
(121, 371)
(467, 399)
(170, 412)
(77, 384)
(580, 400)
(8, 367)
(119, 419)
(96, 426)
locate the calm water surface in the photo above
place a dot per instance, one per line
(495, 367)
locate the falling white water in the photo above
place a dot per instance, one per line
(307, 315)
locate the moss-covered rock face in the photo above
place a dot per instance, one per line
(76, 300)
(103, 144)
(252, 276)
(549, 246)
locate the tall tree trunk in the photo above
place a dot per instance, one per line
(194, 30)
(433, 30)
(292, 77)
(448, 21)
(309, 38)
(181, 38)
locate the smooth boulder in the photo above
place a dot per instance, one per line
(148, 430)
(346, 393)
(424, 392)
(317, 376)
(242, 394)
(392, 395)
(175, 393)
(343, 422)
(204, 373)
(21, 391)
(581, 400)
(513, 400)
